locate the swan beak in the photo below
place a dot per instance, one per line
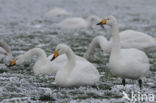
(104, 21)
(12, 63)
(56, 54)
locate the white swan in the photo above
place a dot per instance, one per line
(76, 71)
(56, 12)
(125, 63)
(43, 64)
(129, 39)
(77, 22)
(5, 52)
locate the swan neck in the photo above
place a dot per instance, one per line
(98, 41)
(90, 50)
(71, 59)
(90, 20)
(115, 51)
(36, 51)
(5, 47)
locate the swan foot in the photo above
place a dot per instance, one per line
(140, 83)
(123, 82)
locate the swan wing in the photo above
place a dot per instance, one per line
(84, 73)
(139, 40)
(72, 23)
(134, 63)
(57, 12)
(135, 39)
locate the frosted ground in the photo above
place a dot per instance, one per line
(23, 26)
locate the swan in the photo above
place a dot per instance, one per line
(77, 22)
(129, 39)
(125, 63)
(76, 71)
(57, 12)
(5, 52)
(43, 64)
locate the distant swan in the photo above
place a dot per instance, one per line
(5, 52)
(77, 22)
(125, 63)
(56, 12)
(129, 39)
(76, 71)
(43, 64)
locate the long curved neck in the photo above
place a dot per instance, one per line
(98, 41)
(90, 20)
(71, 59)
(36, 51)
(5, 47)
(115, 51)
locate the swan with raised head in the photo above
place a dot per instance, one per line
(129, 39)
(77, 22)
(43, 64)
(125, 63)
(57, 12)
(5, 52)
(76, 71)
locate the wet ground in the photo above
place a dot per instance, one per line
(23, 26)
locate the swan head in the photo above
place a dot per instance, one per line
(109, 21)
(60, 49)
(94, 18)
(18, 60)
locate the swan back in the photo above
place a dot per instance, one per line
(56, 12)
(77, 22)
(137, 39)
(72, 23)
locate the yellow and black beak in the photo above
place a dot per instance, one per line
(56, 54)
(13, 62)
(104, 21)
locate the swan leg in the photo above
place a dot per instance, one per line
(140, 83)
(123, 82)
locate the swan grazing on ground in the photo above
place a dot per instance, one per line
(56, 12)
(76, 71)
(129, 39)
(43, 64)
(5, 52)
(125, 63)
(77, 22)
